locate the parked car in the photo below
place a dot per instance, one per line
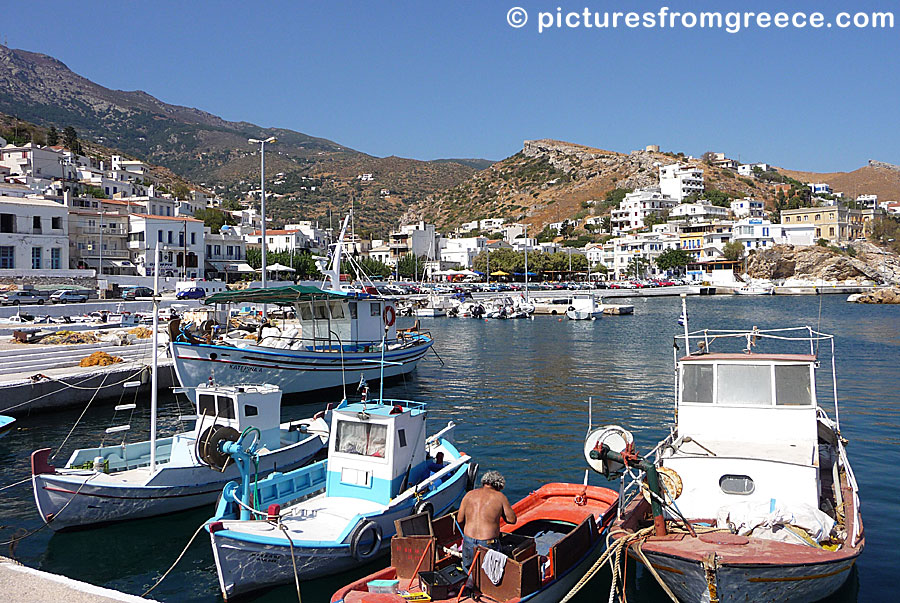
(67, 296)
(16, 298)
(192, 293)
(136, 292)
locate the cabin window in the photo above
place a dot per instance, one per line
(250, 410)
(305, 312)
(337, 310)
(365, 439)
(401, 434)
(321, 311)
(697, 383)
(226, 407)
(744, 384)
(792, 386)
(353, 310)
(736, 484)
(375, 309)
(207, 405)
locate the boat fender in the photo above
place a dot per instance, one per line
(362, 554)
(273, 512)
(471, 474)
(423, 506)
(389, 315)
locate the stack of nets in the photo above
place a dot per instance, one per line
(99, 359)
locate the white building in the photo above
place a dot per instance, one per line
(32, 160)
(748, 207)
(754, 233)
(679, 181)
(748, 169)
(280, 240)
(420, 239)
(98, 235)
(491, 224)
(646, 247)
(181, 245)
(867, 201)
(820, 188)
(512, 231)
(636, 206)
(34, 235)
(317, 237)
(701, 210)
(226, 254)
(462, 252)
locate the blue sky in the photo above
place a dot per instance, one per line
(433, 79)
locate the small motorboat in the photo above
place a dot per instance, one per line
(334, 515)
(756, 288)
(760, 502)
(6, 425)
(557, 539)
(584, 307)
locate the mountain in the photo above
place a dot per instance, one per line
(875, 178)
(211, 151)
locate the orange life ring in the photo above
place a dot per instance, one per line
(389, 315)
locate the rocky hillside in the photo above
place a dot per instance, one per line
(549, 181)
(865, 262)
(876, 178)
(209, 150)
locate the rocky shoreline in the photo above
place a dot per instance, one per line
(888, 295)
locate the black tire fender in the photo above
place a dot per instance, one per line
(357, 536)
(471, 475)
(423, 506)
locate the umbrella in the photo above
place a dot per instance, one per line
(499, 273)
(278, 268)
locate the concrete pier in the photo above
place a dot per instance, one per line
(28, 585)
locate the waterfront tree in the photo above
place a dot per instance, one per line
(733, 251)
(411, 267)
(673, 259)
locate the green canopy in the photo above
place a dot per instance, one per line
(273, 295)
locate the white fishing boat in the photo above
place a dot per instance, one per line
(761, 501)
(336, 337)
(123, 481)
(435, 306)
(336, 514)
(756, 288)
(584, 307)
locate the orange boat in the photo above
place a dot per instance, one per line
(557, 538)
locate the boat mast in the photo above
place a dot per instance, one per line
(154, 381)
(334, 273)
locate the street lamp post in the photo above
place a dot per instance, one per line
(526, 263)
(262, 199)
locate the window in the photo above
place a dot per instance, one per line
(7, 257)
(181, 239)
(365, 439)
(7, 223)
(250, 410)
(697, 383)
(35, 258)
(737, 484)
(169, 237)
(831, 230)
(36, 224)
(353, 310)
(218, 250)
(792, 386)
(56, 223)
(745, 384)
(375, 309)
(193, 238)
(208, 250)
(56, 258)
(401, 434)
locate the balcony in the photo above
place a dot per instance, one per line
(110, 254)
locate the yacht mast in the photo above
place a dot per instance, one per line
(154, 380)
(334, 273)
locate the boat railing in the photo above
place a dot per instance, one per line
(408, 404)
(283, 488)
(751, 336)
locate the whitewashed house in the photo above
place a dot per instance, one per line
(181, 244)
(679, 181)
(462, 252)
(748, 207)
(34, 235)
(637, 205)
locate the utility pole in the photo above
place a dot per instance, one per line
(526, 263)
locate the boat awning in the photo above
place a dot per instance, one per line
(274, 295)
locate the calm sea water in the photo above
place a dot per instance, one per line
(518, 391)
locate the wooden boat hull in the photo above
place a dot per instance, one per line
(292, 372)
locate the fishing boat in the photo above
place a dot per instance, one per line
(584, 307)
(336, 334)
(755, 288)
(761, 503)
(558, 537)
(333, 515)
(123, 481)
(6, 425)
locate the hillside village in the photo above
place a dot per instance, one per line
(70, 215)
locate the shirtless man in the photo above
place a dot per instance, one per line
(480, 513)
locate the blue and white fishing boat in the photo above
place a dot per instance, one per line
(124, 481)
(335, 334)
(335, 514)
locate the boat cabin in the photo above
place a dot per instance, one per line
(333, 322)
(747, 431)
(377, 450)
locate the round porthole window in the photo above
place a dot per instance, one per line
(736, 484)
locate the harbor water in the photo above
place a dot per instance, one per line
(517, 390)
